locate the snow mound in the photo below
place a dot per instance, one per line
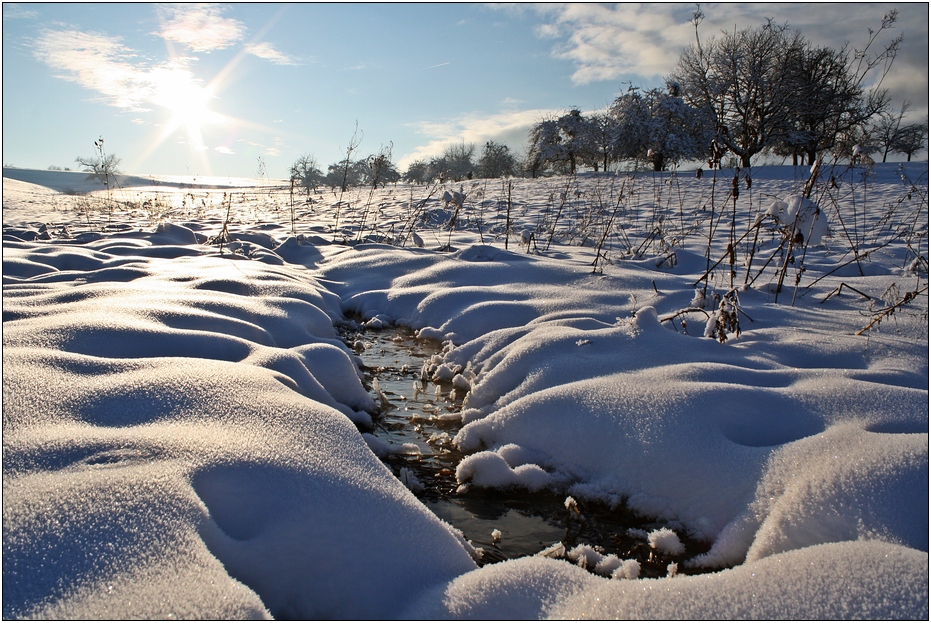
(861, 580)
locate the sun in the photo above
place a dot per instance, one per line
(187, 103)
(186, 107)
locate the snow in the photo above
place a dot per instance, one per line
(666, 541)
(186, 436)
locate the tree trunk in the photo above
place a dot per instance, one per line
(745, 161)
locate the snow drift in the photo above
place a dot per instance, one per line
(182, 426)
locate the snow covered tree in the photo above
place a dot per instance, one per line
(496, 161)
(562, 143)
(603, 131)
(545, 146)
(578, 138)
(657, 125)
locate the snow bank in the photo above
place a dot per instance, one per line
(178, 443)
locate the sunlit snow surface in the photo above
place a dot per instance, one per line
(181, 428)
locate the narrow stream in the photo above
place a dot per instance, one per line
(523, 523)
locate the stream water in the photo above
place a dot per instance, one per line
(504, 524)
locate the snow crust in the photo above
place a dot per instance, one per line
(181, 427)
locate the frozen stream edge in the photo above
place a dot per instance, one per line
(413, 436)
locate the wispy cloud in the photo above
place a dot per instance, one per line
(15, 11)
(269, 53)
(200, 27)
(103, 65)
(438, 65)
(99, 63)
(223, 149)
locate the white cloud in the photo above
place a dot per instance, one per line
(121, 79)
(510, 128)
(608, 42)
(200, 27)
(223, 149)
(266, 51)
(98, 63)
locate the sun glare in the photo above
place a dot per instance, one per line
(187, 102)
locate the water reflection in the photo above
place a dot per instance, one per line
(505, 524)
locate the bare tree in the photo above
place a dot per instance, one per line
(496, 161)
(769, 88)
(830, 96)
(911, 139)
(416, 172)
(306, 172)
(745, 80)
(101, 166)
(378, 168)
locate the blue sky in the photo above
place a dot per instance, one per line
(210, 89)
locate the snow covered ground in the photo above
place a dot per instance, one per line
(181, 423)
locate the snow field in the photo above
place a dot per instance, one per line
(173, 413)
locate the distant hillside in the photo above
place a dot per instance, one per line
(70, 181)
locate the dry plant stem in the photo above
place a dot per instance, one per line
(801, 265)
(850, 240)
(714, 180)
(353, 144)
(888, 311)
(785, 263)
(727, 254)
(756, 235)
(224, 233)
(416, 212)
(682, 312)
(507, 217)
(839, 288)
(564, 197)
(771, 258)
(291, 190)
(607, 229)
(809, 186)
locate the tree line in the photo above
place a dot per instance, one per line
(761, 90)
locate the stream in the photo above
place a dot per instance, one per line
(504, 524)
